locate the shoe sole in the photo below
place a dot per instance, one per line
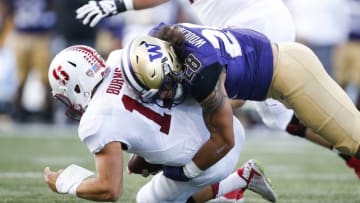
(270, 196)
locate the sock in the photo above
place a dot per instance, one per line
(215, 189)
(229, 184)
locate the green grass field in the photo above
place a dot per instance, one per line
(301, 172)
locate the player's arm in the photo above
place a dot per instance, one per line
(143, 4)
(209, 89)
(92, 12)
(108, 183)
(237, 103)
(218, 117)
(106, 186)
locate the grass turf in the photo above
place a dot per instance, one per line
(301, 172)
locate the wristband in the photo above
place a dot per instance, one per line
(69, 180)
(129, 4)
(72, 190)
(120, 6)
(191, 170)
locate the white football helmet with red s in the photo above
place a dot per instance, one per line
(73, 75)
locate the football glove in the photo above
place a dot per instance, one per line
(94, 11)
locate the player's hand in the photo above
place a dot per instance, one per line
(51, 177)
(175, 173)
(92, 12)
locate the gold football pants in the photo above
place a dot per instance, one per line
(32, 52)
(302, 84)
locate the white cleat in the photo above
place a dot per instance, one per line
(252, 172)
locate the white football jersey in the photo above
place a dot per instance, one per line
(270, 17)
(160, 135)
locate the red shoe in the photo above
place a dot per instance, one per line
(355, 164)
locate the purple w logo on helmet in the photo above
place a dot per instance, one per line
(154, 51)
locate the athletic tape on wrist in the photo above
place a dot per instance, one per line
(69, 180)
(191, 170)
(72, 190)
(129, 4)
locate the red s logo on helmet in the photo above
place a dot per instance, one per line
(61, 75)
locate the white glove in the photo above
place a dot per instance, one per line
(94, 11)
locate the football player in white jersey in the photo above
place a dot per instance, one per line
(265, 16)
(114, 120)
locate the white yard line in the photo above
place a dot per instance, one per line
(21, 175)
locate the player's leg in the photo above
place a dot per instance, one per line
(276, 116)
(41, 61)
(301, 82)
(21, 45)
(347, 69)
(162, 189)
(296, 128)
(250, 176)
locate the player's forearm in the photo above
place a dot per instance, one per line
(108, 184)
(211, 152)
(93, 189)
(220, 125)
(143, 4)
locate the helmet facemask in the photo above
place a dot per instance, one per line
(171, 84)
(151, 68)
(73, 111)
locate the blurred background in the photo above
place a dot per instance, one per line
(33, 31)
(35, 132)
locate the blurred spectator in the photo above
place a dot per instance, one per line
(68, 29)
(34, 22)
(110, 32)
(141, 21)
(116, 31)
(321, 25)
(8, 67)
(347, 55)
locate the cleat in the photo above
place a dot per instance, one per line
(354, 163)
(253, 173)
(236, 196)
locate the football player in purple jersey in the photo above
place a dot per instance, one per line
(216, 66)
(244, 13)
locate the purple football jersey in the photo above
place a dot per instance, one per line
(246, 56)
